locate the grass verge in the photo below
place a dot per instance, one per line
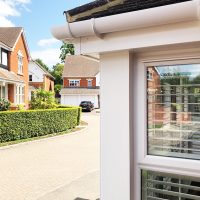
(82, 124)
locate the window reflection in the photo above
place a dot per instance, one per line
(173, 96)
(156, 185)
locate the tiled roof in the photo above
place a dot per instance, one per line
(102, 8)
(9, 76)
(80, 66)
(9, 35)
(75, 91)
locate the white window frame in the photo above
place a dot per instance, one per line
(89, 80)
(4, 57)
(19, 94)
(74, 81)
(6, 90)
(143, 161)
(20, 62)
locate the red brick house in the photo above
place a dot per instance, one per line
(14, 59)
(39, 78)
(80, 81)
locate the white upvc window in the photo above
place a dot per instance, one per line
(74, 83)
(167, 130)
(4, 57)
(89, 82)
(3, 92)
(20, 62)
(20, 94)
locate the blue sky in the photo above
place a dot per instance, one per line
(37, 17)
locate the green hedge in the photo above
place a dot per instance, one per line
(15, 125)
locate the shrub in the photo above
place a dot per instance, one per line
(79, 111)
(16, 125)
(4, 105)
(42, 99)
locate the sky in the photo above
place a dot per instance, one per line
(37, 17)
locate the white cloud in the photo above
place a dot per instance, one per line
(49, 56)
(5, 22)
(47, 42)
(11, 8)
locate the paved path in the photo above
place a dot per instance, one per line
(53, 167)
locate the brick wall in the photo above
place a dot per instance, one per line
(48, 84)
(13, 64)
(83, 81)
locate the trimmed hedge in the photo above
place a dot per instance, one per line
(16, 125)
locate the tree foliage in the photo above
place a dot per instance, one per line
(57, 73)
(66, 49)
(42, 99)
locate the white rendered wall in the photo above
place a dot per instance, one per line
(115, 126)
(98, 79)
(36, 72)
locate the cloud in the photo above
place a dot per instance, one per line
(5, 22)
(47, 42)
(10, 8)
(49, 56)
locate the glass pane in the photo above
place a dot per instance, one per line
(3, 92)
(4, 58)
(173, 98)
(157, 186)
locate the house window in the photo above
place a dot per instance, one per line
(2, 92)
(149, 75)
(20, 64)
(20, 94)
(157, 185)
(173, 111)
(168, 145)
(30, 77)
(89, 82)
(4, 57)
(74, 83)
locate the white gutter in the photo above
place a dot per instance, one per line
(174, 13)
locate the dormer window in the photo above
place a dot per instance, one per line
(20, 62)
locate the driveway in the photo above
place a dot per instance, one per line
(61, 168)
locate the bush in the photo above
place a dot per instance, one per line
(16, 125)
(42, 99)
(4, 105)
(79, 111)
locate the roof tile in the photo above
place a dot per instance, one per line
(80, 66)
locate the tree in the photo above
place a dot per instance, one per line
(57, 73)
(43, 100)
(41, 63)
(66, 49)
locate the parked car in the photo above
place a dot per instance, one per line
(87, 106)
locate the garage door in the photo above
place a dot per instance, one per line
(75, 100)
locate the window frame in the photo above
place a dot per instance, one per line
(91, 81)
(1, 58)
(20, 63)
(5, 86)
(74, 80)
(19, 94)
(30, 78)
(143, 161)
